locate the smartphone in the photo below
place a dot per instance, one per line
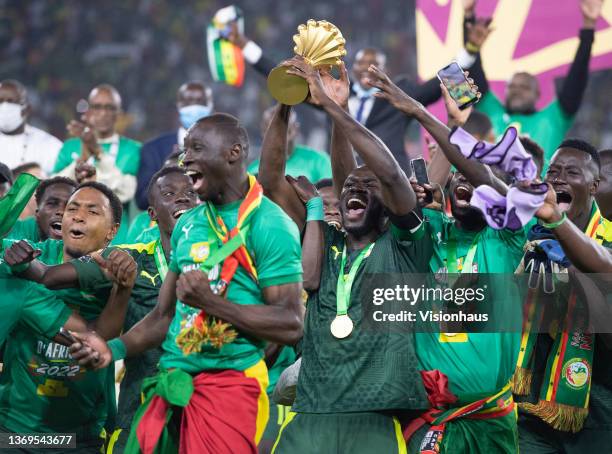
(65, 334)
(453, 78)
(419, 170)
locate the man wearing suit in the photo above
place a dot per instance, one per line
(193, 101)
(374, 113)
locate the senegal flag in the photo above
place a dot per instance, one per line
(15, 200)
(225, 60)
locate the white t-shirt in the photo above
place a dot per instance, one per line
(34, 145)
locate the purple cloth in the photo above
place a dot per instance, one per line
(508, 153)
(514, 210)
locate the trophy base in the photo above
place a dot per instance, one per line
(286, 88)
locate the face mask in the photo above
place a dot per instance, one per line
(11, 116)
(362, 92)
(190, 114)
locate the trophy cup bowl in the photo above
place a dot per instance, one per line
(321, 44)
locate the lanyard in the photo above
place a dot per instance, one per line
(345, 281)
(160, 260)
(451, 255)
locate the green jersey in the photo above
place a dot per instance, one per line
(31, 304)
(475, 363)
(273, 242)
(141, 223)
(547, 126)
(313, 164)
(142, 300)
(127, 160)
(42, 389)
(368, 370)
(25, 229)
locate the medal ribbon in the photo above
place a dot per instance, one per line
(345, 281)
(451, 255)
(160, 260)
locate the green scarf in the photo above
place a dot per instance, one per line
(15, 200)
(564, 395)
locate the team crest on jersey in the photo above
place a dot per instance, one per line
(576, 372)
(200, 251)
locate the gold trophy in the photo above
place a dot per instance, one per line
(321, 44)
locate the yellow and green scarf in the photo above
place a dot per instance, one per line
(564, 395)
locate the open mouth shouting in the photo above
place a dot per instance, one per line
(463, 195)
(76, 233)
(55, 230)
(564, 200)
(179, 212)
(197, 178)
(355, 207)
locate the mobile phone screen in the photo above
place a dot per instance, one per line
(419, 168)
(456, 83)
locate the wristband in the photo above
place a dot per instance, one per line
(472, 48)
(117, 348)
(18, 269)
(554, 225)
(314, 209)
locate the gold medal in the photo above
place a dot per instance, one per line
(341, 326)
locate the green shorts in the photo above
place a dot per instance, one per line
(340, 433)
(278, 414)
(474, 436)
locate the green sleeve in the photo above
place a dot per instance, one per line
(278, 253)
(491, 105)
(25, 229)
(407, 235)
(128, 157)
(64, 158)
(173, 264)
(43, 312)
(91, 277)
(323, 167)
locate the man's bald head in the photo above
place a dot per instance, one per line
(106, 89)
(193, 92)
(12, 90)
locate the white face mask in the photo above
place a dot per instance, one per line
(11, 116)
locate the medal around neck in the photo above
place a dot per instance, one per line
(341, 326)
(321, 44)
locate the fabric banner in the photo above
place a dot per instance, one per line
(225, 60)
(15, 200)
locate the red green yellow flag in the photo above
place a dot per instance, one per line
(225, 60)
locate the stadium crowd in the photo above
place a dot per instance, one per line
(181, 296)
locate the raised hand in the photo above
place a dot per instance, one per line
(304, 189)
(90, 350)
(297, 66)
(84, 172)
(337, 89)
(20, 253)
(424, 194)
(549, 212)
(478, 32)
(235, 37)
(391, 92)
(468, 7)
(591, 10)
(119, 267)
(456, 116)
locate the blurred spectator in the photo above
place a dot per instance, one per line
(19, 141)
(6, 179)
(96, 143)
(33, 169)
(313, 164)
(193, 101)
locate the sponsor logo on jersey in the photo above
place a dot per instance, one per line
(199, 251)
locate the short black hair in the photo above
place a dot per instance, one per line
(582, 145)
(324, 183)
(228, 126)
(5, 174)
(159, 174)
(478, 124)
(115, 203)
(536, 151)
(46, 184)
